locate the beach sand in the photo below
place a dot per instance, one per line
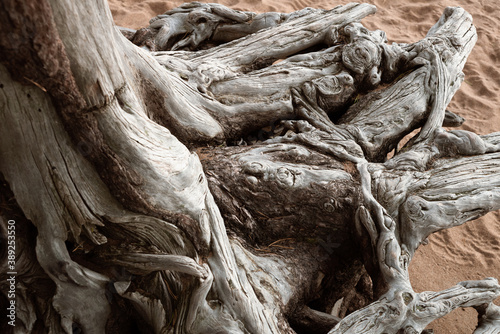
(469, 252)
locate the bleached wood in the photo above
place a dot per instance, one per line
(249, 239)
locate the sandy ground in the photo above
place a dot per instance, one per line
(471, 251)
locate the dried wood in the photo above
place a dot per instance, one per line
(298, 214)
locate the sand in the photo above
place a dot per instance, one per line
(471, 251)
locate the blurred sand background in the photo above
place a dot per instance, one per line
(471, 251)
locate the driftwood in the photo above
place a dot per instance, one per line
(289, 218)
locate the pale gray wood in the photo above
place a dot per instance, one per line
(489, 319)
(245, 240)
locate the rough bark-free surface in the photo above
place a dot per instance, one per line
(296, 223)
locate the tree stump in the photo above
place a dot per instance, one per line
(233, 172)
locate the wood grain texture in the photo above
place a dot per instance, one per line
(289, 210)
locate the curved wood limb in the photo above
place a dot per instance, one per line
(489, 319)
(191, 24)
(404, 310)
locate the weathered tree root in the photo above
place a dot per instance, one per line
(132, 226)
